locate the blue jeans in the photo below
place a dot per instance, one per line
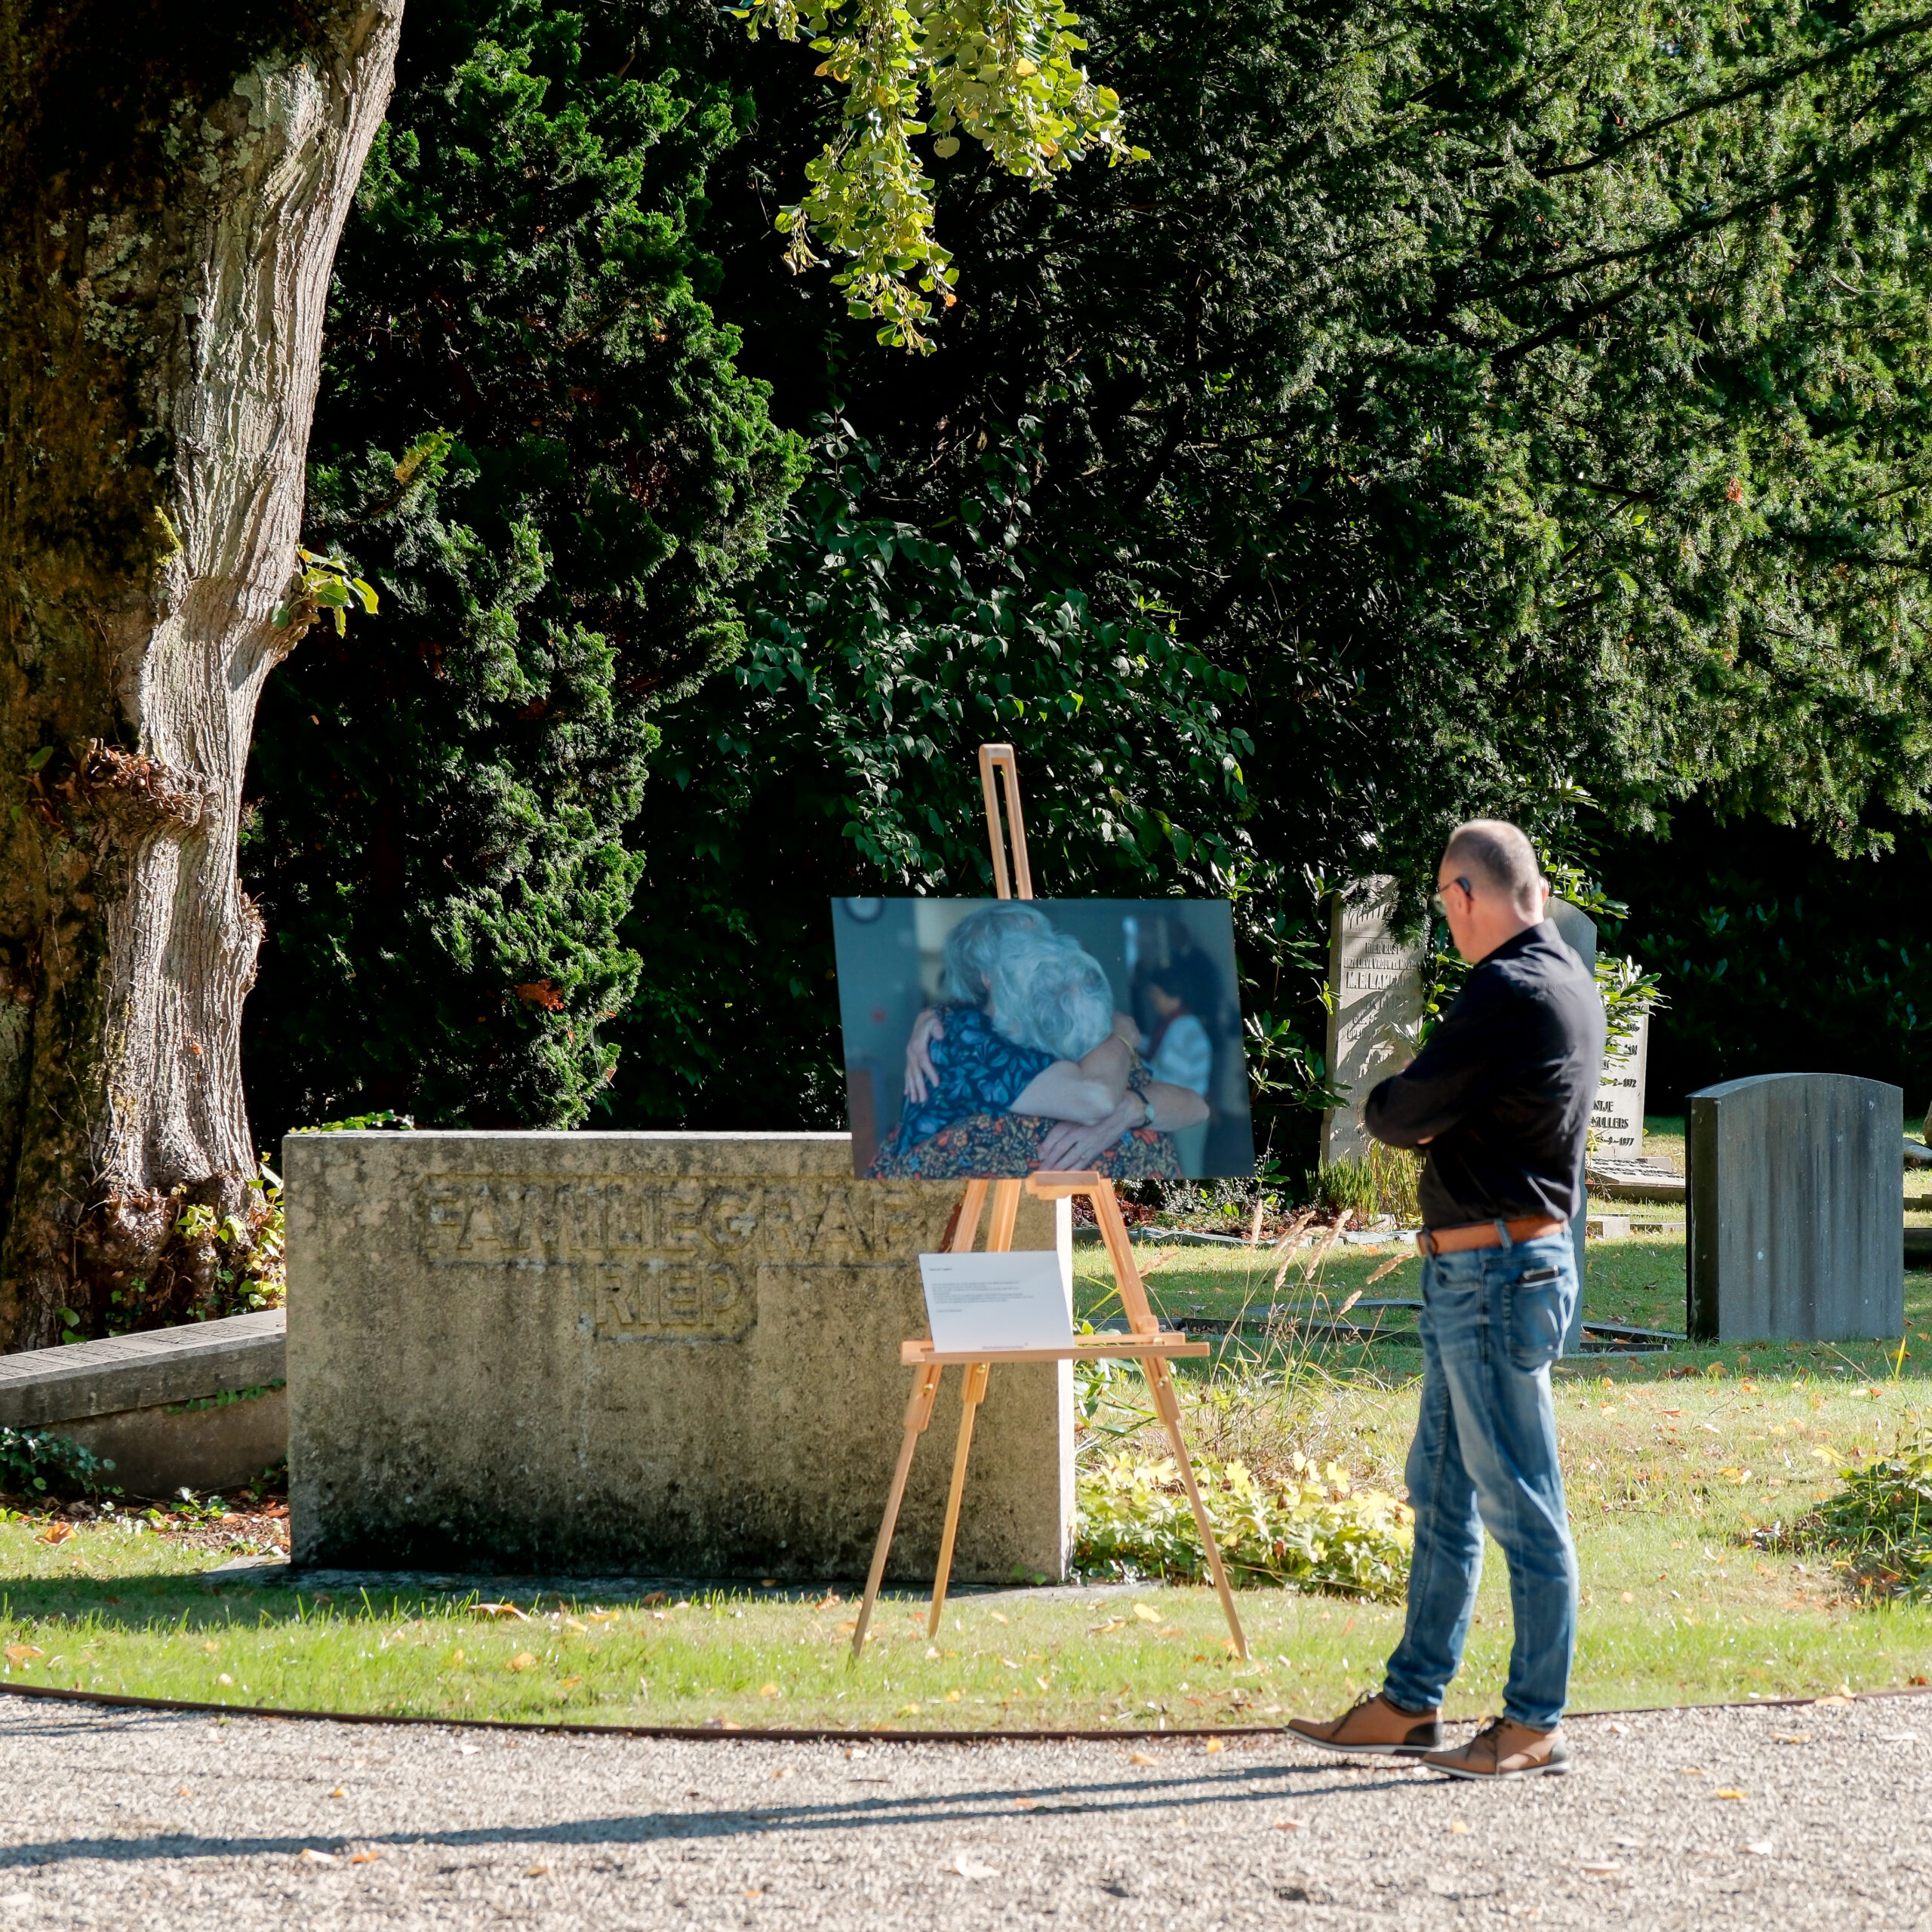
(1484, 1456)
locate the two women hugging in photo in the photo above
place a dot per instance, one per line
(1027, 1065)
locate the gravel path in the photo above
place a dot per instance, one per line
(157, 1821)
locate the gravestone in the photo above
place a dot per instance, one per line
(669, 1354)
(1617, 1119)
(1578, 931)
(1375, 1007)
(1797, 1198)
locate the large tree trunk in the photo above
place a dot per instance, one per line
(174, 175)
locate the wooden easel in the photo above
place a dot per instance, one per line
(1145, 1342)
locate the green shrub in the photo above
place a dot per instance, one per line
(1881, 1520)
(32, 1463)
(1312, 1531)
(1383, 1182)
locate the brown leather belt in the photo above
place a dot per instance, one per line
(1484, 1234)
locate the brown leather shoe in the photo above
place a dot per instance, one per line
(1504, 1749)
(1372, 1727)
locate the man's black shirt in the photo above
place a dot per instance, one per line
(1503, 1090)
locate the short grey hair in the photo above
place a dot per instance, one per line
(972, 948)
(1502, 853)
(1050, 994)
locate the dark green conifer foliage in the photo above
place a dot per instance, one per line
(1526, 399)
(531, 435)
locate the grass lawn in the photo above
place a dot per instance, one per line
(1668, 1481)
(1679, 1467)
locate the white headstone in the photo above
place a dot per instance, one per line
(1616, 1120)
(1375, 985)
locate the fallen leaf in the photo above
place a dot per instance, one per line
(1458, 1826)
(1691, 1771)
(1760, 1847)
(1009, 1663)
(184, 1792)
(338, 1792)
(224, 1678)
(1730, 1791)
(1216, 1744)
(571, 1623)
(1792, 1737)
(1040, 1681)
(1627, 1598)
(20, 1653)
(538, 1872)
(754, 1891)
(469, 1750)
(603, 1616)
(846, 1628)
(1141, 1611)
(1142, 1757)
(569, 1683)
(783, 1771)
(996, 1616)
(55, 1533)
(953, 1696)
(1602, 1871)
(502, 1610)
(365, 1857)
(932, 1653)
(969, 1868)
(309, 1855)
(767, 1691)
(522, 1660)
(1618, 1729)
(1112, 1623)
(1287, 1824)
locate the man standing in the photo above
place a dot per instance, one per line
(1499, 1098)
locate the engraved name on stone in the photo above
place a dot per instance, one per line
(669, 1259)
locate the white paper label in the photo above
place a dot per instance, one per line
(987, 1302)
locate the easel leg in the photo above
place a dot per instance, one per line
(918, 1413)
(1006, 1213)
(1168, 1404)
(973, 1394)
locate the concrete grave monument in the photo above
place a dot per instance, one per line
(1375, 1006)
(675, 1354)
(1797, 1198)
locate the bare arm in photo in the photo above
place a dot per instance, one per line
(1073, 1145)
(1086, 1091)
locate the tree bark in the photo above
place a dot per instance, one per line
(173, 179)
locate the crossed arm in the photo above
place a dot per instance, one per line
(1088, 1100)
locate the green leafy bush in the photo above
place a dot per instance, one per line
(32, 1463)
(1313, 1530)
(1881, 1520)
(1382, 1182)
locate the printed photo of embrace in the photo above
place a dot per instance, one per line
(991, 1038)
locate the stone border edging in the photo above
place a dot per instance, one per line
(150, 1368)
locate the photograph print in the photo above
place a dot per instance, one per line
(991, 1038)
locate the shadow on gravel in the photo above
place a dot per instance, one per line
(880, 1812)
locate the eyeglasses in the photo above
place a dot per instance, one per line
(1441, 905)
